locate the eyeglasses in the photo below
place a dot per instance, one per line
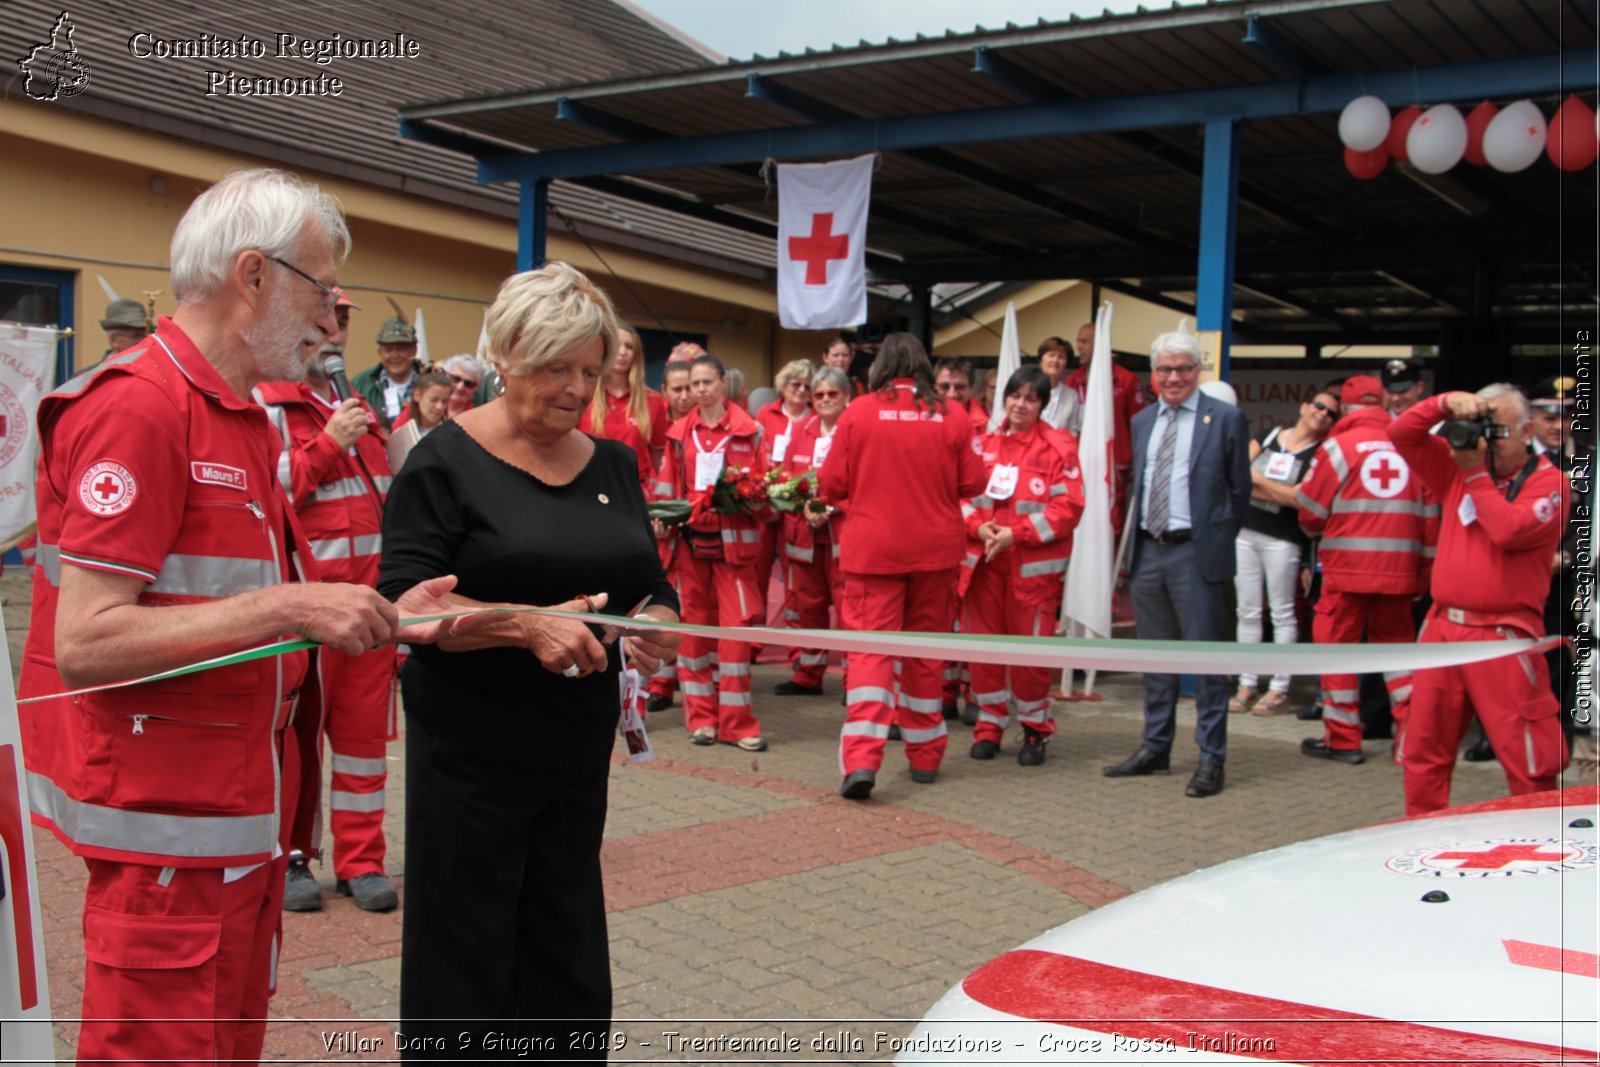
(1176, 372)
(468, 382)
(1325, 409)
(948, 387)
(826, 394)
(796, 384)
(330, 294)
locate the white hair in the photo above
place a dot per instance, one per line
(465, 364)
(1176, 343)
(541, 314)
(266, 210)
(1499, 389)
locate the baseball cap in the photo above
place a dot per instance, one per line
(1361, 389)
(344, 300)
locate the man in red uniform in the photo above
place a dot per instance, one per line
(952, 377)
(1501, 523)
(1360, 499)
(1127, 400)
(165, 539)
(901, 462)
(336, 473)
(716, 559)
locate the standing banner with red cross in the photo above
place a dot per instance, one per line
(822, 241)
(27, 372)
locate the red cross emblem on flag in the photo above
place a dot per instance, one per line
(822, 235)
(107, 488)
(816, 250)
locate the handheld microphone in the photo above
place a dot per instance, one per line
(333, 366)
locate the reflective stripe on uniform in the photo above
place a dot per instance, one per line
(997, 696)
(925, 705)
(880, 730)
(1373, 544)
(1030, 507)
(798, 554)
(922, 737)
(1041, 526)
(1045, 566)
(343, 489)
(1336, 457)
(219, 836)
(344, 800)
(1349, 718)
(1305, 503)
(734, 700)
(48, 557)
(359, 765)
(214, 577)
(863, 693)
(346, 547)
(697, 689)
(1341, 696)
(748, 537)
(735, 670)
(812, 659)
(1396, 506)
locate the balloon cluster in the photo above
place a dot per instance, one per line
(1433, 141)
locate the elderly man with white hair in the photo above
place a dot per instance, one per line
(165, 539)
(1191, 486)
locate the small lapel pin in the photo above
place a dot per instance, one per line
(1206, 420)
(604, 499)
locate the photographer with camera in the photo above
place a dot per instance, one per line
(1502, 520)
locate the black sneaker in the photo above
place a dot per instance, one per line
(857, 785)
(658, 703)
(1311, 714)
(1033, 743)
(1317, 748)
(922, 777)
(984, 750)
(300, 889)
(969, 714)
(793, 688)
(371, 892)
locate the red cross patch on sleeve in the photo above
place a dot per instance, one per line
(107, 488)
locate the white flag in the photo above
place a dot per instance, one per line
(822, 243)
(1090, 580)
(27, 372)
(1010, 362)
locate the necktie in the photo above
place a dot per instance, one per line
(1161, 483)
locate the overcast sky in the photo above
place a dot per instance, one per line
(740, 29)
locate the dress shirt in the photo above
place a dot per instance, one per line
(1178, 517)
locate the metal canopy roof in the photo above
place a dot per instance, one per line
(1074, 149)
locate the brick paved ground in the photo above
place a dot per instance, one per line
(741, 887)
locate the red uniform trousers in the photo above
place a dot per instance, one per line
(178, 963)
(1342, 618)
(717, 593)
(664, 682)
(920, 600)
(359, 697)
(1511, 697)
(992, 607)
(771, 545)
(811, 587)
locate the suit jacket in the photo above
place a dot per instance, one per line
(1219, 483)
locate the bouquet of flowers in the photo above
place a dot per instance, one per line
(737, 490)
(791, 492)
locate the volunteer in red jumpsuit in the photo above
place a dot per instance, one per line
(812, 579)
(780, 427)
(336, 473)
(902, 460)
(627, 410)
(952, 378)
(1019, 538)
(1502, 518)
(680, 401)
(1365, 506)
(165, 539)
(716, 560)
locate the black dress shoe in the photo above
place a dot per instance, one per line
(1207, 780)
(1317, 748)
(969, 714)
(951, 710)
(658, 703)
(1311, 714)
(984, 750)
(795, 689)
(858, 785)
(922, 777)
(1032, 752)
(1143, 761)
(894, 731)
(1482, 752)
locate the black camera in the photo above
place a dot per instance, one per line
(1464, 434)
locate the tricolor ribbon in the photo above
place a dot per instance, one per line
(1057, 653)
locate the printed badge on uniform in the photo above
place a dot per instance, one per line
(218, 474)
(1002, 482)
(107, 488)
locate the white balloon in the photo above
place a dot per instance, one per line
(1515, 138)
(1437, 140)
(1364, 123)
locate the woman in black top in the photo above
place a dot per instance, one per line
(1271, 545)
(509, 730)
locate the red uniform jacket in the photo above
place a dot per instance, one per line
(151, 466)
(337, 497)
(903, 472)
(738, 437)
(800, 541)
(1366, 504)
(620, 426)
(1042, 511)
(1127, 400)
(1494, 555)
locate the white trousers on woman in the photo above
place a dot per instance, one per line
(1275, 561)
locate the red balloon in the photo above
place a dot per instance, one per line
(1570, 142)
(1400, 129)
(1366, 165)
(1478, 120)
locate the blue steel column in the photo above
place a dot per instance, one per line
(1219, 211)
(533, 223)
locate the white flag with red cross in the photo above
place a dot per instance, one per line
(822, 243)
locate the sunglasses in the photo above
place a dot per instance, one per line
(1325, 409)
(468, 382)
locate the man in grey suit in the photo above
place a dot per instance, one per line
(1191, 485)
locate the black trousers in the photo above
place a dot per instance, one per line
(504, 952)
